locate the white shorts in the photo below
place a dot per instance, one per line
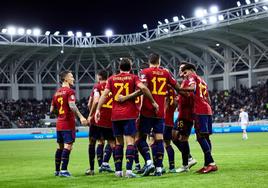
(243, 126)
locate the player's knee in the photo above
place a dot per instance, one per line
(184, 138)
(101, 141)
(167, 143)
(92, 141)
(159, 137)
(202, 135)
(119, 140)
(68, 146)
(61, 146)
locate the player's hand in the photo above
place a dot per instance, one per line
(156, 107)
(97, 116)
(121, 98)
(89, 119)
(83, 121)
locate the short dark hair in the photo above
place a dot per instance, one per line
(63, 74)
(183, 63)
(188, 66)
(103, 74)
(125, 64)
(154, 58)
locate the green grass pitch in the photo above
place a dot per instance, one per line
(241, 164)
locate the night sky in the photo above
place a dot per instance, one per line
(95, 16)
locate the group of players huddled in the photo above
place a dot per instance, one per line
(125, 109)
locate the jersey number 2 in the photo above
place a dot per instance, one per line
(60, 100)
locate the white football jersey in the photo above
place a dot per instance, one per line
(243, 117)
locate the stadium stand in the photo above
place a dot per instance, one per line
(226, 105)
(28, 113)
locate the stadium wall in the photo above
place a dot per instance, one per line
(82, 132)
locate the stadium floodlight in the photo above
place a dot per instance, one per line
(36, 32)
(56, 33)
(204, 21)
(160, 23)
(11, 30)
(166, 21)
(255, 10)
(238, 3)
(221, 17)
(182, 17)
(28, 31)
(248, 2)
(247, 11)
(200, 12)
(88, 34)
(264, 7)
(109, 33)
(70, 33)
(214, 9)
(217, 44)
(166, 30)
(4, 30)
(21, 31)
(213, 19)
(47, 33)
(145, 26)
(182, 26)
(175, 19)
(79, 34)
(256, 1)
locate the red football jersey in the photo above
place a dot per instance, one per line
(186, 103)
(171, 107)
(156, 80)
(106, 108)
(201, 103)
(66, 117)
(124, 84)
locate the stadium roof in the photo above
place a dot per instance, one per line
(190, 39)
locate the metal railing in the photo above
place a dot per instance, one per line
(222, 18)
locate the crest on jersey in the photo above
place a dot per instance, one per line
(72, 97)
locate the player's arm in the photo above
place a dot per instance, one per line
(90, 101)
(148, 94)
(52, 107)
(101, 101)
(239, 119)
(94, 105)
(208, 99)
(167, 102)
(51, 110)
(133, 95)
(74, 108)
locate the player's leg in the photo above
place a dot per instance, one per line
(184, 129)
(203, 130)
(58, 153)
(138, 168)
(158, 128)
(244, 132)
(107, 135)
(129, 133)
(169, 148)
(118, 131)
(91, 149)
(144, 130)
(100, 147)
(153, 146)
(69, 139)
